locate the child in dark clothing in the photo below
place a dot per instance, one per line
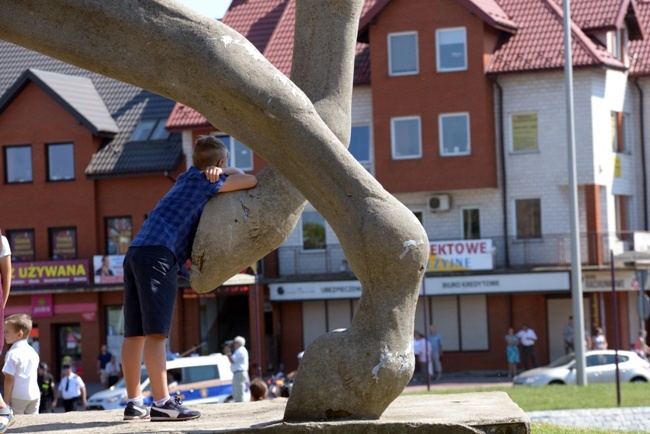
(151, 265)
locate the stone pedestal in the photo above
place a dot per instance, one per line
(487, 412)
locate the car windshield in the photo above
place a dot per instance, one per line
(122, 384)
(562, 361)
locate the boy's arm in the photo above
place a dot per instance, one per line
(232, 171)
(238, 181)
(9, 387)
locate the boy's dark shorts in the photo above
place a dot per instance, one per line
(150, 287)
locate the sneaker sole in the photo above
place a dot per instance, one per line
(173, 419)
(136, 417)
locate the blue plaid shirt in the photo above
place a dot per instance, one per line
(173, 222)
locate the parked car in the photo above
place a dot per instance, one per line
(600, 368)
(196, 380)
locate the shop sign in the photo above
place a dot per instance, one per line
(341, 289)
(498, 283)
(49, 272)
(460, 255)
(601, 281)
(42, 306)
(89, 316)
(108, 269)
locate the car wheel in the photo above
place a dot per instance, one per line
(638, 380)
(229, 400)
(556, 383)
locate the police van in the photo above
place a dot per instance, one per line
(195, 380)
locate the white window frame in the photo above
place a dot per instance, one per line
(439, 67)
(390, 55)
(229, 141)
(367, 164)
(392, 138)
(462, 220)
(441, 135)
(302, 237)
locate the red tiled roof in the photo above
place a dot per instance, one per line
(490, 12)
(640, 49)
(597, 14)
(269, 25)
(539, 42)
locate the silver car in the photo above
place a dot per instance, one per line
(600, 368)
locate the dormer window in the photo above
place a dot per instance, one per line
(617, 41)
(150, 129)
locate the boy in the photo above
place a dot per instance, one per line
(21, 366)
(151, 265)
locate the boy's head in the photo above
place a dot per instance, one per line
(17, 327)
(259, 390)
(209, 151)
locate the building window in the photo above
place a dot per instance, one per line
(528, 218)
(119, 233)
(22, 245)
(313, 231)
(451, 52)
(524, 132)
(114, 321)
(240, 155)
(360, 145)
(18, 164)
(150, 129)
(419, 215)
(454, 134)
(403, 53)
(621, 207)
(406, 137)
(63, 243)
(60, 162)
(471, 220)
(619, 122)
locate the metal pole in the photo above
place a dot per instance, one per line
(426, 328)
(615, 317)
(576, 272)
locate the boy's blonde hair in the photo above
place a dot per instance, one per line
(208, 150)
(20, 322)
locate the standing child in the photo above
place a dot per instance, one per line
(6, 415)
(151, 265)
(21, 366)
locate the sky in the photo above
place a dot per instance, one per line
(211, 8)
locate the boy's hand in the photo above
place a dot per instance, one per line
(213, 173)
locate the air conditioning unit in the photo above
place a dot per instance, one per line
(439, 202)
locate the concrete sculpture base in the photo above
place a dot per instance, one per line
(487, 412)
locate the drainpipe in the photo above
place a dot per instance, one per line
(502, 155)
(643, 164)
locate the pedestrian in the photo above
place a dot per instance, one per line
(46, 386)
(512, 352)
(151, 264)
(599, 341)
(419, 351)
(102, 359)
(567, 336)
(113, 371)
(527, 338)
(640, 346)
(238, 358)
(21, 366)
(259, 390)
(435, 342)
(6, 415)
(71, 388)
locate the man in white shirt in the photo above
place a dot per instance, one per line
(527, 338)
(71, 387)
(239, 367)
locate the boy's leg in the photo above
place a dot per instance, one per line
(131, 361)
(155, 359)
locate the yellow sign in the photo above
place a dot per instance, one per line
(618, 171)
(524, 132)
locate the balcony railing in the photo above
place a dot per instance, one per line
(550, 250)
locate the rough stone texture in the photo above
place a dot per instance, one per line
(166, 48)
(490, 412)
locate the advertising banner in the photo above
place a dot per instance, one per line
(49, 272)
(108, 269)
(460, 255)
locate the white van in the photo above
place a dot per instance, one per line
(195, 380)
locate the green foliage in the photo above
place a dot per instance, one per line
(544, 428)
